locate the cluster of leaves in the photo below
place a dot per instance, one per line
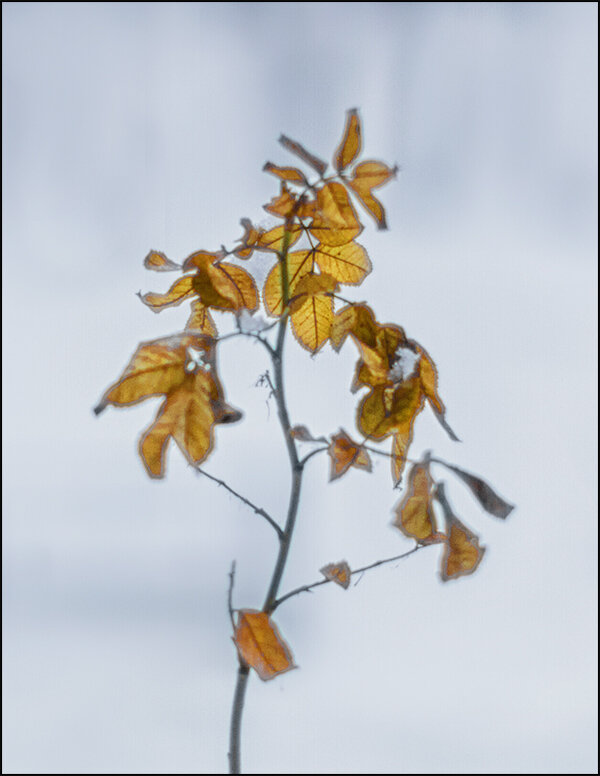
(315, 252)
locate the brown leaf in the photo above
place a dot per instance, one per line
(429, 380)
(283, 205)
(291, 174)
(483, 492)
(201, 320)
(260, 644)
(339, 573)
(302, 434)
(414, 512)
(295, 148)
(335, 221)
(344, 453)
(462, 552)
(159, 262)
(355, 319)
(248, 240)
(351, 143)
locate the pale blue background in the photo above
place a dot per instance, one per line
(137, 126)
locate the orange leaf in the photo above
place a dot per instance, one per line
(351, 143)
(301, 152)
(201, 259)
(462, 552)
(201, 320)
(367, 176)
(260, 645)
(414, 513)
(339, 573)
(344, 453)
(335, 222)
(348, 263)
(291, 174)
(159, 263)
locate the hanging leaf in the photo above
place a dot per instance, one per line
(348, 263)
(351, 143)
(290, 174)
(429, 378)
(158, 262)
(339, 573)
(260, 644)
(344, 453)
(462, 552)
(414, 512)
(335, 221)
(367, 176)
(183, 368)
(355, 319)
(311, 308)
(180, 290)
(302, 434)
(301, 152)
(483, 492)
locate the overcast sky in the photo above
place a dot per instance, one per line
(128, 127)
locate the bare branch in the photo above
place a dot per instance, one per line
(308, 588)
(231, 576)
(258, 510)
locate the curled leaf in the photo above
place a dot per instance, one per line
(248, 240)
(290, 174)
(484, 493)
(367, 176)
(260, 644)
(301, 152)
(158, 262)
(180, 290)
(283, 205)
(344, 453)
(201, 320)
(351, 143)
(339, 573)
(462, 551)
(302, 434)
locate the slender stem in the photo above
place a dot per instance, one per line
(258, 510)
(308, 588)
(235, 729)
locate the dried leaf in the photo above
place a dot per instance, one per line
(301, 152)
(335, 221)
(302, 434)
(462, 552)
(483, 492)
(429, 380)
(344, 453)
(339, 573)
(355, 319)
(158, 262)
(414, 512)
(348, 263)
(283, 205)
(248, 240)
(367, 176)
(260, 644)
(291, 174)
(201, 259)
(351, 143)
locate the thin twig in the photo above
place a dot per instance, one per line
(230, 594)
(308, 588)
(258, 510)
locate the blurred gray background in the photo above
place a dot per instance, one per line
(128, 127)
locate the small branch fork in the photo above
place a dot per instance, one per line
(308, 588)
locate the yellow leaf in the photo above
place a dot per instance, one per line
(291, 174)
(260, 644)
(159, 262)
(180, 290)
(248, 240)
(344, 453)
(312, 310)
(348, 263)
(367, 176)
(298, 263)
(335, 221)
(414, 513)
(274, 239)
(201, 260)
(429, 380)
(355, 319)
(283, 205)
(339, 573)
(351, 143)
